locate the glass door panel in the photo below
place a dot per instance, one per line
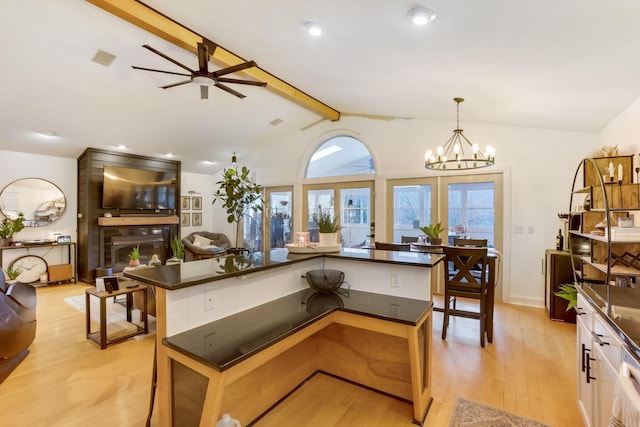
(318, 201)
(471, 211)
(411, 210)
(356, 216)
(252, 228)
(279, 214)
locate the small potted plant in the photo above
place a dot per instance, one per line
(433, 232)
(134, 257)
(12, 274)
(178, 251)
(328, 227)
(570, 293)
(9, 227)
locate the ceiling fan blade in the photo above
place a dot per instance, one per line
(203, 57)
(228, 89)
(176, 84)
(146, 46)
(204, 92)
(160, 71)
(240, 82)
(235, 68)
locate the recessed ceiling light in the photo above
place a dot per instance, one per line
(48, 134)
(169, 155)
(210, 162)
(314, 29)
(122, 146)
(421, 15)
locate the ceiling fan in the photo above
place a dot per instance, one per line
(203, 76)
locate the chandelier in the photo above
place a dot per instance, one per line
(452, 155)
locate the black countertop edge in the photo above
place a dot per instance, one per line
(178, 276)
(328, 311)
(591, 294)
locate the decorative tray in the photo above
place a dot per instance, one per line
(312, 248)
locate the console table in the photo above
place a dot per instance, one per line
(70, 247)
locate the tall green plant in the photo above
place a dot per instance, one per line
(236, 191)
(177, 247)
(326, 222)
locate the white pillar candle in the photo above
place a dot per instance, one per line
(619, 172)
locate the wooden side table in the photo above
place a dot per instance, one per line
(100, 336)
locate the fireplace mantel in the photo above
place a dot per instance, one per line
(119, 221)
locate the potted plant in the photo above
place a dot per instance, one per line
(570, 293)
(12, 274)
(433, 232)
(328, 227)
(236, 191)
(134, 257)
(178, 251)
(9, 227)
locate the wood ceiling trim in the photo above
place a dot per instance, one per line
(147, 18)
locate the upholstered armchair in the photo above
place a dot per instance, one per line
(204, 244)
(17, 324)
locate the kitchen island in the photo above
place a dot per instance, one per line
(237, 334)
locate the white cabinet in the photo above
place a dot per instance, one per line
(599, 355)
(585, 360)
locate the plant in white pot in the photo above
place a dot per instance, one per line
(237, 191)
(328, 227)
(178, 251)
(433, 232)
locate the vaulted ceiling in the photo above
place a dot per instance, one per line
(570, 65)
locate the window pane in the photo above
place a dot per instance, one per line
(320, 201)
(280, 219)
(471, 212)
(339, 156)
(411, 210)
(355, 217)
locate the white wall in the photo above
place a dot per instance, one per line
(538, 165)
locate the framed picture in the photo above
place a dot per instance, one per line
(111, 283)
(197, 219)
(185, 203)
(197, 203)
(184, 219)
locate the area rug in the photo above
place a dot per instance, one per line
(469, 413)
(115, 311)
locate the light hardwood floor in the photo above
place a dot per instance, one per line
(68, 381)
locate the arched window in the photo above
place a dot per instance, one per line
(340, 155)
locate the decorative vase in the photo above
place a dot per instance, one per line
(173, 260)
(435, 241)
(134, 263)
(5, 241)
(328, 239)
(155, 261)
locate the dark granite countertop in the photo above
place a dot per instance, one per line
(192, 273)
(225, 342)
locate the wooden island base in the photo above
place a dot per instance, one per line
(387, 356)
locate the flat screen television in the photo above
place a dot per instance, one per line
(129, 188)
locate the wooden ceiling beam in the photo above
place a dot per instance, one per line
(149, 19)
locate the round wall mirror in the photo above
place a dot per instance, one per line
(40, 201)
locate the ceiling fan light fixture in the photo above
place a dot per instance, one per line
(421, 15)
(203, 80)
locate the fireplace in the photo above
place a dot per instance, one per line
(117, 244)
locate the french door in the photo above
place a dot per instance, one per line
(351, 202)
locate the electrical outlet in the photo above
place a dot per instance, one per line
(209, 302)
(395, 280)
